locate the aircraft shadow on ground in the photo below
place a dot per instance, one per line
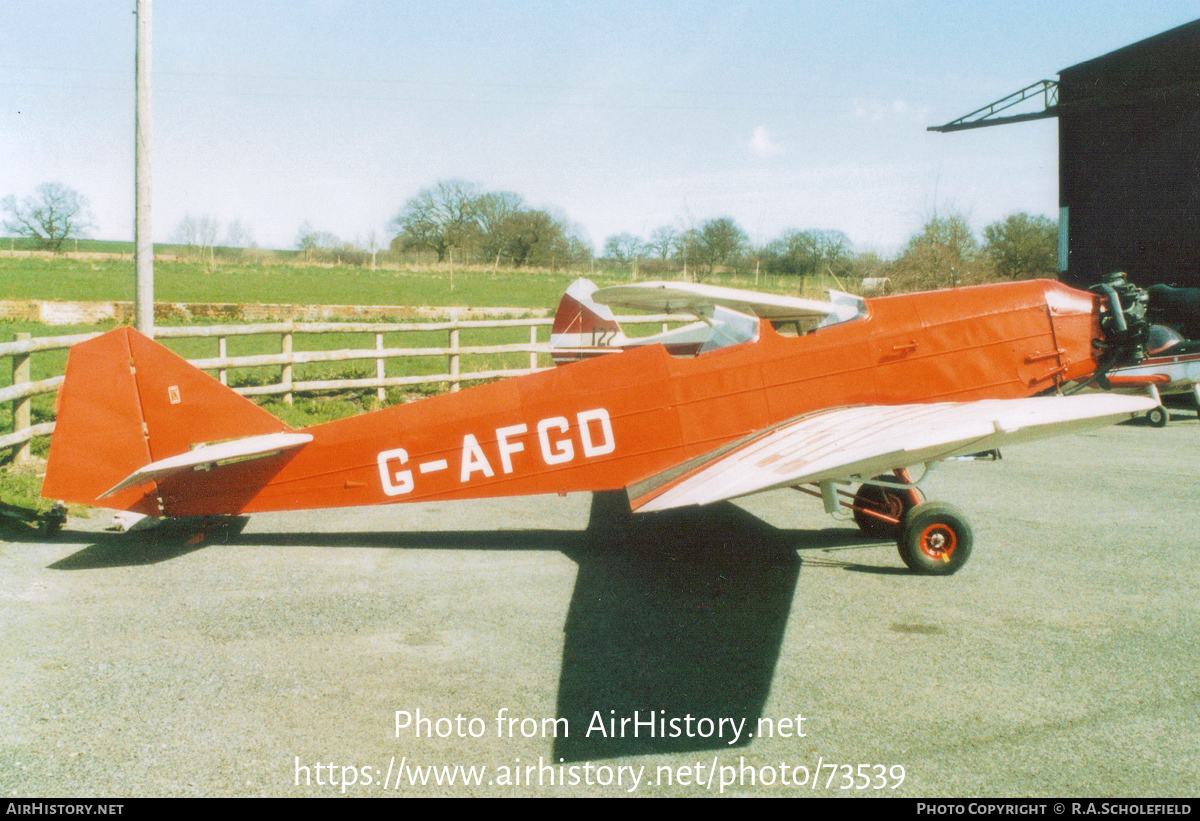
(678, 614)
(168, 540)
(673, 614)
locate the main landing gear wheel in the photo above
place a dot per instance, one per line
(888, 501)
(936, 540)
(1158, 417)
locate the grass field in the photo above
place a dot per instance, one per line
(100, 246)
(70, 279)
(65, 278)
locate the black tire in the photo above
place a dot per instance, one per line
(1158, 417)
(890, 501)
(937, 539)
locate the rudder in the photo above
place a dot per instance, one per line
(581, 324)
(128, 401)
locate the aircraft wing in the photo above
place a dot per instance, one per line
(691, 297)
(205, 456)
(867, 440)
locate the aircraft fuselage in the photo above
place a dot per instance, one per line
(607, 422)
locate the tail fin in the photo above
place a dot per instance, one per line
(128, 402)
(583, 327)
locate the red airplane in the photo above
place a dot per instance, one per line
(763, 392)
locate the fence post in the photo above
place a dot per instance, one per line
(533, 341)
(454, 357)
(379, 394)
(222, 352)
(20, 409)
(286, 349)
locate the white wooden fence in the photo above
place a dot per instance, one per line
(23, 347)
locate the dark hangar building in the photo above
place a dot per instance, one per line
(1128, 159)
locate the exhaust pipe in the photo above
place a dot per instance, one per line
(1124, 327)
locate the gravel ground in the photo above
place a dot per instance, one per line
(246, 661)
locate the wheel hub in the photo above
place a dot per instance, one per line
(938, 542)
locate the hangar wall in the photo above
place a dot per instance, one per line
(1129, 162)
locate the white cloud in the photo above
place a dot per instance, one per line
(762, 145)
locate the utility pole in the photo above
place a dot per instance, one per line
(143, 231)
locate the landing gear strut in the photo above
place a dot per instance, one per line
(933, 538)
(879, 511)
(1160, 416)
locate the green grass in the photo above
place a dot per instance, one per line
(103, 246)
(64, 278)
(22, 488)
(221, 252)
(102, 280)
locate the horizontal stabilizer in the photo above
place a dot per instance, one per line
(206, 456)
(867, 440)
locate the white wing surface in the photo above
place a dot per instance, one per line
(871, 439)
(690, 297)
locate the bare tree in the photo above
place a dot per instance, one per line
(321, 244)
(197, 233)
(186, 232)
(720, 241)
(494, 207)
(238, 235)
(206, 230)
(662, 241)
(308, 240)
(439, 218)
(687, 245)
(624, 248)
(494, 214)
(944, 254)
(808, 253)
(52, 214)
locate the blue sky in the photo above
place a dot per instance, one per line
(621, 116)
